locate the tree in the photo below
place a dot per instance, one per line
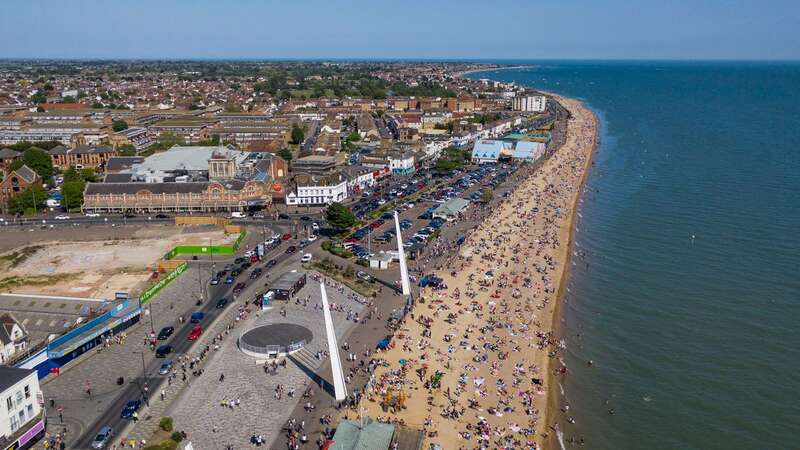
(30, 200)
(38, 97)
(353, 137)
(297, 134)
(339, 216)
(285, 153)
(88, 174)
(73, 194)
(119, 125)
(486, 196)
(71, 175)
(38, 160)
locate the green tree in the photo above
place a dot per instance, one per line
(297, 134)
(339, 216)
(71, 175)
(38, 160)
(119, 125)
(88, 174)
(354, 137)
(39, 97)
(285, 153)
(126, 150)
(97, 105)
(73, 194)
(33, 198)
(486, 196)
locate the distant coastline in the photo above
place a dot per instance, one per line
(489, 69)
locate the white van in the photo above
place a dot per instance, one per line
(238, 215)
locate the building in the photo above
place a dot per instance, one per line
(21, 415)
(288, 284)
(309, 190)
(118, 164)
(189, 162)
(528, 150)
(139, 138)
(359, 177)
(529, 103)
(315, 164)
(402, 162)
(81, 157)
(17, 181)
(488, 151)
(363, 434)
(13, 337)
(207, 196)
(7, 156)
(191, 130)
(451, 209)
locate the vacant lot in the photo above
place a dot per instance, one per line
(96, 268)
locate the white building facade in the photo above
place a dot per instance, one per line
(530, 103)
(21, 418)
(318, 193)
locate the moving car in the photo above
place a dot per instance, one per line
(131, 407)
(312, 238)
(283, 216)
(229, 280)
(361, 275)
(271, 263)
(92, 215)
(214, 281)
(197, 316)
(222, 302)
(195, 333)
(306, 258)
(291, 249)
(165, 333)
(165, 368)
(103, 438)
(286, 236)
(163, 351)
(62, 217)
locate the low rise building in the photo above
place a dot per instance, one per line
(21, 416)
(402, 162)
(13, 337)
(316, 190)
(81, 157)
(17, 181)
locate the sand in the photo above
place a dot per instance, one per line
(490, 331)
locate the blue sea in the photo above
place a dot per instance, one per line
(687, 300)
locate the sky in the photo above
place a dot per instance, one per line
(407, 29)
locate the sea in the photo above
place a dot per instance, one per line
(683, 304)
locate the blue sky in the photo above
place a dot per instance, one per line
(526, 29)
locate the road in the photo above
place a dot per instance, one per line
(180, 344)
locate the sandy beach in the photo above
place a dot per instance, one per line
(476, 361)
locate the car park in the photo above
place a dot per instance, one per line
(165, 333)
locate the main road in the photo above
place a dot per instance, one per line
(180, 345)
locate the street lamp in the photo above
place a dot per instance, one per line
(144, 375)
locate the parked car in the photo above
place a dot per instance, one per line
(103, 438)
(214, 281)
(306, 258)
(283, 216)
(361, 275)
(286, 236)
(197, 316)
(195, 333)
(291, 249)
(131, 407)
(163, 351)
(166, 368)
(229, 280)
(312, 238)
(165, 333)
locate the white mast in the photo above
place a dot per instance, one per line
(401, 256)
(339, 387)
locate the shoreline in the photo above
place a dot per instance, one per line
(510, 231)
(555, 399)
(468, 72)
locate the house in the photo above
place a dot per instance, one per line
(81, 157)
(17, 181)
(308, 189)
(21, 416)
(358, 177)
(402, 163)
(13, 337)
(7, 156)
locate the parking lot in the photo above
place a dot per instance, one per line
(416, 221)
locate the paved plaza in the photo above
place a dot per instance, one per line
(200, 409)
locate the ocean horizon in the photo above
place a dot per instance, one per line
(682, 300)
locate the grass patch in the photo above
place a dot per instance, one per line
(36, 280)
(18, 257)
(346, 277)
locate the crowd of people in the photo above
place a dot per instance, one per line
(472, 361)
